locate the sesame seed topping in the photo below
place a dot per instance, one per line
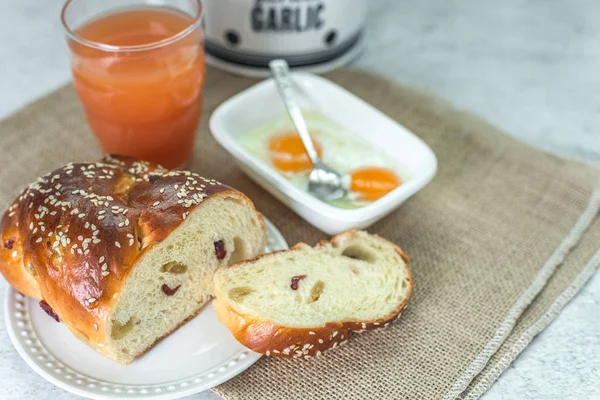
(101, 259)
(96, 326)
(268, 353)
(14, 253)
(156, 203)
(334, 334)
(38, 240)
(92, 300)
(104, 267)
(276, 351)
(118, 244)
(311, 333)
(105, 273)
(321, 341)
(375, 323)
(121, 224)
(162, 190)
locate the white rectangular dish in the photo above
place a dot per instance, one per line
(261, 103)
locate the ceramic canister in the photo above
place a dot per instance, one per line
(307, 33)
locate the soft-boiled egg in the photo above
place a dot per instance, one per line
(372, 183)
(370, 173)
(288, 153)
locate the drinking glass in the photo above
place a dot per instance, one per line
(138, 68)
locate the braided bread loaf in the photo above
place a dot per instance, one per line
(123, 251)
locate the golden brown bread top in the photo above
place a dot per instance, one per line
(72, 236)
(271, 339)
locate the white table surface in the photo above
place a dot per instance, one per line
(531, 67)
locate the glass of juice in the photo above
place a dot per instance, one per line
(138, 68)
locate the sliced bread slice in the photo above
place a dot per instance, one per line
(303, 301)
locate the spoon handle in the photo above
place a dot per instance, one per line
(281, 74)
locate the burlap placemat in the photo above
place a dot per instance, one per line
(499, 241)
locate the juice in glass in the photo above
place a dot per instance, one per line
(139, 72)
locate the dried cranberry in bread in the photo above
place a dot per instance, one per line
(303, 301)
(123, 251)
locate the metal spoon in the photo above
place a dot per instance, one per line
(323, 182)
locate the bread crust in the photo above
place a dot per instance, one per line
(73, 237)
(267, 337)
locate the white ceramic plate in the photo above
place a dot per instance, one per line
(197, 357)
(261, 103)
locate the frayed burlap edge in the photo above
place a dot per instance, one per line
(481, 361)
(524, 340)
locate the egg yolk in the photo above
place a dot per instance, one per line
(289, 155)
(371, 183)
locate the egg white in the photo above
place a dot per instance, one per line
(343, 150)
